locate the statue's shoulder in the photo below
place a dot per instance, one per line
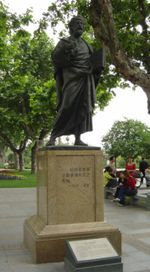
(64, 40)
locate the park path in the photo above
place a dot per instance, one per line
(18, 204)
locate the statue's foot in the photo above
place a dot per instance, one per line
(51, 142)
(80, 143)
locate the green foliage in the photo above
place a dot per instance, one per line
(27, 87)
(126, 138)
(146, 144)
(64, 10)
(131, 21)
(120, 162)
(103, 97)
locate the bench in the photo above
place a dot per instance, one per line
(144, 201)
(109, 192)
(138, 200)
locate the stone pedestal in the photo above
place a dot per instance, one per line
(69, 202)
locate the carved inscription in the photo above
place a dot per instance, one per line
(77, 176)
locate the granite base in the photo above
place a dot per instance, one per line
(47, 242)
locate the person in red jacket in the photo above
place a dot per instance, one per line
(127, 187)
(130, 165)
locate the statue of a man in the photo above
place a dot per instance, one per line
(76, 82)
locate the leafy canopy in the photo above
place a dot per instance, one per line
(27, 86)
(126, 139)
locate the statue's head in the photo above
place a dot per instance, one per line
(76, 25)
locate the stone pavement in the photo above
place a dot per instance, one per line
(18, 204)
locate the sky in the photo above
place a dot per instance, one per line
(126, 104)
(20, 6)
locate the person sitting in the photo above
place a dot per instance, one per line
(110, 180)
(111, 163)
(121, 181)
(126, 187)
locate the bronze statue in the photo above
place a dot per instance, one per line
(76, 79)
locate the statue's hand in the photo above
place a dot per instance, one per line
(63, 53)
(70, 48)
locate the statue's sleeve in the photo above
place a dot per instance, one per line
(61, 57)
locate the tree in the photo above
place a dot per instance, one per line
(11, 133)
(123, 28)
(146, 145)
(27, 99)
(126, 139)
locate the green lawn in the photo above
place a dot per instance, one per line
(29, 180)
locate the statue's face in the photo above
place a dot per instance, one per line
(77, 28)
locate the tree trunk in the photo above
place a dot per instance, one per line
(16, 161)
(33, 158)
(101, 15)
(21, 161)
(2, 157)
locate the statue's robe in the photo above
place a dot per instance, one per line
(75, 88)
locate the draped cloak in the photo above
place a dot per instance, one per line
(75, 88)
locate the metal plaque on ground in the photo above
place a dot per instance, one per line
(88, 255)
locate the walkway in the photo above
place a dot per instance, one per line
(18, 204)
